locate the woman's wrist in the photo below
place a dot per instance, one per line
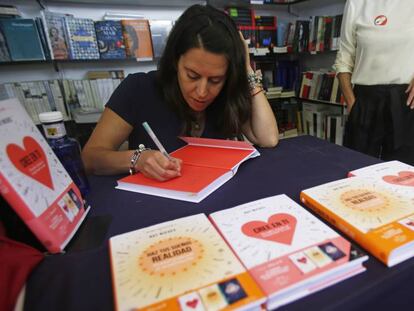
(255, 82)
(135, 157)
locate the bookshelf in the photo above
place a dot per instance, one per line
(163, 9)
(271, 59)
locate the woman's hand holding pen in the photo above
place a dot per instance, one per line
(153, 164)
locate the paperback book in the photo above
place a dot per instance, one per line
(81, 38)
(137, 36)
(207, 165)
(159, 34)
(23, 40)
(375, 208)
(182, 264)
(288, 251)
(33, 181)
(54, 25)
(110, 39)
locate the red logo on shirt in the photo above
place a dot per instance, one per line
(380, 20)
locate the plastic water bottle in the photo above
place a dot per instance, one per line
(66, 149)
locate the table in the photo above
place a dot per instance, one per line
(80, 279)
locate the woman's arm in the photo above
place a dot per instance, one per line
(101, 156)
(410, 91)
(346, 89)
(261, 129)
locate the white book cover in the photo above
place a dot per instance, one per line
(287, 250)
(393, 175)
(182, 264)
(34, 182)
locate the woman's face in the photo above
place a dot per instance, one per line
(201, 76)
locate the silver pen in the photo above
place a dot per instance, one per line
(155, 139)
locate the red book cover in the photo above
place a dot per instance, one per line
(207, 164)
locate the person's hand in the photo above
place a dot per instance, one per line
(410, 91)
(153, 164)
(349, 105)
(246, 52)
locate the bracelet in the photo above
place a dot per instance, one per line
(255, 93)
(255, 80)
(135, 157)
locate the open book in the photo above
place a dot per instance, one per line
(182, 264)
(375, 208)
(34, 182)
(207, 164)
(288, 251)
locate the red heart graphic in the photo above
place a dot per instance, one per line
(31, 160)
(279, 228)
(404, 178)
(192, 303)
(302, 260)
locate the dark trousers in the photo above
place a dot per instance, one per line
(381, 124)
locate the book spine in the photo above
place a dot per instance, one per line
(366, 241)
(21, 209)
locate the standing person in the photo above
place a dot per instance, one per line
(204, 87)
(376, 56)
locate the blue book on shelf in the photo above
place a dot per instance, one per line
(22, 39)
(82, 38)
(110, 39)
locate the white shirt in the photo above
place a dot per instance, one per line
(377, 41)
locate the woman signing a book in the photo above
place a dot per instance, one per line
(204, 87)
(375, 67)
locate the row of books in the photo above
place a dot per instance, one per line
(71, 97)
(62, 36)
(321, 85)
(323, 121)
(316, 34)
(269, 252)
(279, 73)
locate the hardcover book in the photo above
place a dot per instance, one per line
(288, 251)
(110, 39)
(54, 24)
(81, 38)
(137, 38)
(22, 39)
(207, 165)
(182, 264)
(375, 208)
(34, 182)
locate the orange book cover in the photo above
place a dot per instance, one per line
(207, 164)
(379, 218)
(137, 39)
(182, 264)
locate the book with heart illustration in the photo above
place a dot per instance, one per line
(182, 264)
(207, 165)
(287, 250)
(33, 181)
(375, 207)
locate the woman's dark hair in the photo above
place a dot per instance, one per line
(214, 31)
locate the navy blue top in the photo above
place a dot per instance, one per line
(137, 99)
